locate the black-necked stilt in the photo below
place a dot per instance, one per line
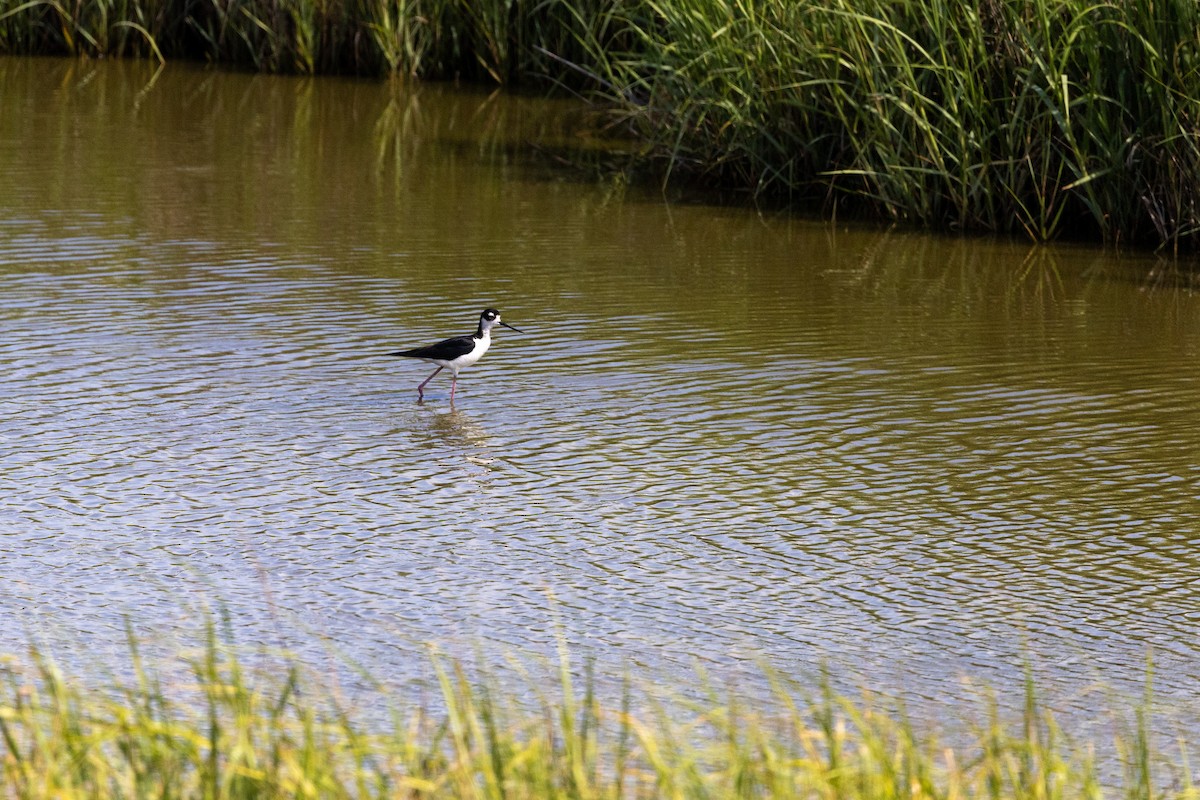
(459, 352)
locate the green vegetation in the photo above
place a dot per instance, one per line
(504, 41)
(1038, 117)
(222, 729)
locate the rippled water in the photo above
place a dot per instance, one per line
(725, 436)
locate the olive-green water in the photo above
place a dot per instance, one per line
(725, 436)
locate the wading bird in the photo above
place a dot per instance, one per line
(459, 352)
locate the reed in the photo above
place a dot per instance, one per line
(223, 729)
(503, 41)
(1041, 117)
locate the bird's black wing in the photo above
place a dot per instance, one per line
(445, 350)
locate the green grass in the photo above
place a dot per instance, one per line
(494, 40)
(222, 729)
(1040, 118)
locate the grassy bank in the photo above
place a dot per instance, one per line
(222, 729)
(1035, 117)
(502, 41)
(1041, 117)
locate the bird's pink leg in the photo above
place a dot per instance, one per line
(421, 388)
(453, 386)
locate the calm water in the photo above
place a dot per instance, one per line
(724, 437)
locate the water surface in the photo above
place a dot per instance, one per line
(727, 436)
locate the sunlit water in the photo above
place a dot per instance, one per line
(726, 438)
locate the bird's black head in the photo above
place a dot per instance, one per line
(490, 318)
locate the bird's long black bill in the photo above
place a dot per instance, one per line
(511, 328)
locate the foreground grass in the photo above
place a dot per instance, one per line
(227, 731)
(1039, 117)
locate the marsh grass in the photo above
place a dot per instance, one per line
(1041, 118)
(494, 40)
(223, 729)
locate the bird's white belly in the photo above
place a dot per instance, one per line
(466, 360)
